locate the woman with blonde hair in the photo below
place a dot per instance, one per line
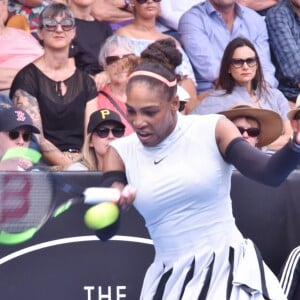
(104, 126)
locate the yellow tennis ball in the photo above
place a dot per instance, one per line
(101, 215)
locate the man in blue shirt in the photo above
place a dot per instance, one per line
(283, 23)
(206, 29)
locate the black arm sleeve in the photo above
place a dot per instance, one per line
(108, 178)
(259, 166)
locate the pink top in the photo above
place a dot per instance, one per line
(103, 102)
(18, 48)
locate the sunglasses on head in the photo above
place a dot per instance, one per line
(253, 132)
(144, 1)
(238, 62)
(66, 24)
(113, 58)
(103, 132)
(13, 135)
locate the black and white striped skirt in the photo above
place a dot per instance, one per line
(232, 273)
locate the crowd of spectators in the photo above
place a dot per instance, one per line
(241, 76)
(120, 31)
(105, 39)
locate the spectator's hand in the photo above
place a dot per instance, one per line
(15, 164)
(101, 80)
(25, 163)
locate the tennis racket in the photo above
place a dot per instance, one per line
(27, 201)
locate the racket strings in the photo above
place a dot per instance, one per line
(25, 200)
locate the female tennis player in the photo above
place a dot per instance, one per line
(181, 168)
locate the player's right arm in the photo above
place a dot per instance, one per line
(114, 174)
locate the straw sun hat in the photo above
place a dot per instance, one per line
(270, 122)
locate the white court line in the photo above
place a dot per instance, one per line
(76, 239)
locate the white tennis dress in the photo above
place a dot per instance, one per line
(183, 193)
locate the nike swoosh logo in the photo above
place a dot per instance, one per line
(158, 161)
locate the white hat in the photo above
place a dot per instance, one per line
(182, 94)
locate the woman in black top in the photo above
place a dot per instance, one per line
(58, 96)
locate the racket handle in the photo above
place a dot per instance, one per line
(94, 195)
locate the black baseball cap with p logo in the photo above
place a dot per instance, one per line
(103, 115)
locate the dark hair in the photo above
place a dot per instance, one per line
(153, 83)
(161, 57)
(226, 81)
(247, 118)
(165, 52)
(53, 10)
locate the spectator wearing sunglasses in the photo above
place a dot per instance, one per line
(241, 79)
(259, 127)
(104, 126)
(207, 28)
(58, 96)
(90, 36)
(143, 31)
(118, 60)
(16, 129)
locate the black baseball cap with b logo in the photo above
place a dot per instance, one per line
(103, 115)
(13, 118)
